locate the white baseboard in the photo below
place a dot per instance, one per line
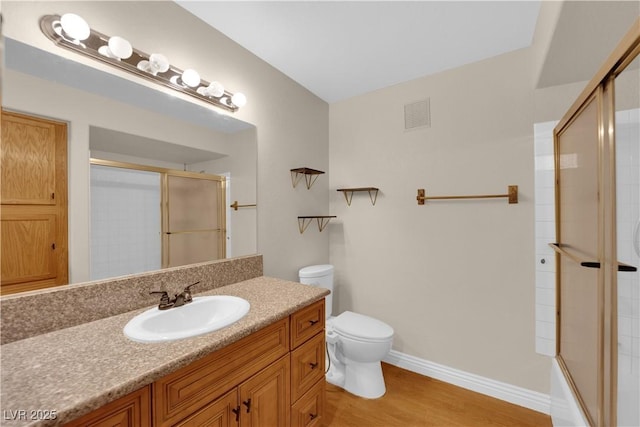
(534, 400)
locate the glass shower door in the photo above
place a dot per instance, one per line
(194, 229)
(579, 247)
(627, 136)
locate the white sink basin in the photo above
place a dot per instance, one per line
(201, 316)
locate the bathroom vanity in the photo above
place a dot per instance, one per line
(249, 382)
(266, 369)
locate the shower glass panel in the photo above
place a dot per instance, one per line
(195, 223)
(627, 137)
(579, 287)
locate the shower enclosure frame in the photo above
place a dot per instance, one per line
(165, 173)
(597, 396)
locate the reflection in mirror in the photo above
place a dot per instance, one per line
(117, 119)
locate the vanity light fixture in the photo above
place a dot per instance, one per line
(72, 32)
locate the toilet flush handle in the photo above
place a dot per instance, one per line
(332, 337)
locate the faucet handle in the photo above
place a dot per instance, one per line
(164, 299)
(188, 288)
(187, 292)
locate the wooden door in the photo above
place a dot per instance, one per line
(265, 397)
(27, 252)
(33, 193)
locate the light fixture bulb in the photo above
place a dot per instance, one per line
(215, 89)
(74, 26)
(239, 100)
(190, 77)
(117, 48)
(159, 62)
(120, 47)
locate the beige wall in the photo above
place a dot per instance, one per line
(455, 279)
(292, 123)
(243, 161)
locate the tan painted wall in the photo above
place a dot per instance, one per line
(455, 279)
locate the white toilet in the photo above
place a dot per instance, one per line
(356, 343)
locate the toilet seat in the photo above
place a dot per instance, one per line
(362, 328)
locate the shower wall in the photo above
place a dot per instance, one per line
(545, 226)
(125, 221)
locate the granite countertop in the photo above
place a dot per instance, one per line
(75, 370)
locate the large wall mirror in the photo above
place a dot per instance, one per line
(118, 120)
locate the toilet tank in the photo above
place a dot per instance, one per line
(322, 276)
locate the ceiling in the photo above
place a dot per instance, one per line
(585, 35)
(341, 49)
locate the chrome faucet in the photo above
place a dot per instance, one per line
(178, 300)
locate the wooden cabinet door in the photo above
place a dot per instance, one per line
(33, 194)
(132, 410)
(183, 392)
(265, 397)
(222, 412)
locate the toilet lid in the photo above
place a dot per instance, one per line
(359, 326)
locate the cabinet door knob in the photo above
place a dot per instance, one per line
(313, 365)
(313, 322)
(313, 416)
(237, 412)
(247, 403)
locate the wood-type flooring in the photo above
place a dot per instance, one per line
(413, 400)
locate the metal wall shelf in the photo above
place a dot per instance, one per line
(310, 176)
(323, 220)
(348, 193)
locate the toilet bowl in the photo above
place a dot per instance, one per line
(356, 343)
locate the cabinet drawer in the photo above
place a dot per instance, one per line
(183, 392)
(309, 410)
(306, 323)
(307, 366)
(132, 410)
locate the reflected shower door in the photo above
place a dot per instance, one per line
(194, 223)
